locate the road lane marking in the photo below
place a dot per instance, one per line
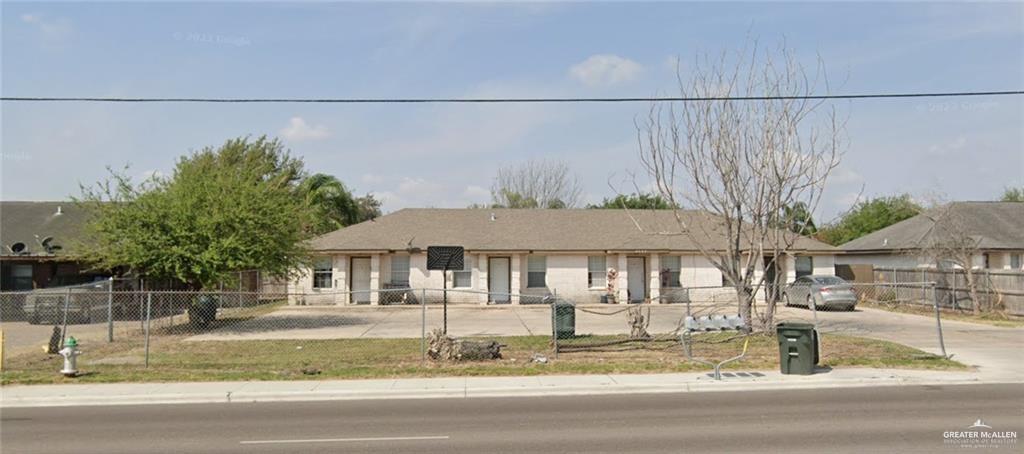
(340, 440)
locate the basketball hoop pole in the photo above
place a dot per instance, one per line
(444, 279)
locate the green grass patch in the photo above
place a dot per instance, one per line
(172, 358)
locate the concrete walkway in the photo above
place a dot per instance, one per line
(460, 387)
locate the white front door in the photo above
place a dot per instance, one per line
(636, 275)
(498, 279)
(360, 280)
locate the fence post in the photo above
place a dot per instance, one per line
(110, 311)
(554, 327)
(64, 325)
(149, 303)
(423, 326)
(938, 322)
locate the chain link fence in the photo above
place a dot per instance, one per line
(229, 335)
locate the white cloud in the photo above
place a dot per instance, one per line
(845, 176)
(605, 70)
(53, 30)
(673, 63)
(473, 192)
(370, 178)
(298, 129)
(947, 148)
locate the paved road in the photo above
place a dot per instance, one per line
(890, 419)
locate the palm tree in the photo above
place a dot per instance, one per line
(330, 202)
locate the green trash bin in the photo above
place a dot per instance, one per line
(564, 319)
(798, 348)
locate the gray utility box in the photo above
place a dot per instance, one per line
(798, 348)
(564, 319)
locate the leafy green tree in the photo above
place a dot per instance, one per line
(1012, 194)
(869, 216)
(222, 210)
(331, 204)
(634, 202)
(797, 219)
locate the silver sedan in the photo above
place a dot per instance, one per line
(828, 292)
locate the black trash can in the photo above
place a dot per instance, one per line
(798, 348)
(564, 319)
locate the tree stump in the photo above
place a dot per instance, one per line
(447, 348)
(637, 323)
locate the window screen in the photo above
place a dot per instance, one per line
(400, 270)
(536, 271)
(323, 273)
(670, 268)
(597, 274)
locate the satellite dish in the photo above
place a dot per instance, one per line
(47, 244)
(18, 248)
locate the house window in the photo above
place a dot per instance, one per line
(1015, 260)
(597, 271)
(323, 272)
(463, 278)
(536, 271)
(21, 276)
(400, 270)
(670, 267)
(804, 265)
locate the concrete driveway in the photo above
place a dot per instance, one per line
(996, 351)
(304, 322)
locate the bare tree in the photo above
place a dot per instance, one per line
(743, 162)
(949, 243)
(536, 184)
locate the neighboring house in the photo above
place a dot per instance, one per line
(529, 252)
(997, 229)
(36, 240)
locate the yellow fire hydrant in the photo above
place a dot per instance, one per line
(70, 353)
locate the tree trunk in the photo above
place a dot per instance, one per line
(972, 287)
(447, 348)
(746, 301)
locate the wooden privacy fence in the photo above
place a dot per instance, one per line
(1002, 289)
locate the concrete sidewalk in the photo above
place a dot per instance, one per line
(464, 387)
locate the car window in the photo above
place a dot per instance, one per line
(803, 280)
(830, 280)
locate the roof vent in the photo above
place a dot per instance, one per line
(60, 211)
(885, 242)
(493, 217)
(18, 249)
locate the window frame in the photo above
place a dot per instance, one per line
(603, 272)
(320, 272)
(466, 268)
(796, 266)
(405, 271)
(1019, 258)
(662, 271)
(26, 282)
(530, 271)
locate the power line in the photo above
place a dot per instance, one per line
(506, 100)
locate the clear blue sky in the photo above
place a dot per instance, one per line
(445, 155)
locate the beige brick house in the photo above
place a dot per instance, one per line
(511, 254)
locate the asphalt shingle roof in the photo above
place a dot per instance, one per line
(997, 225)
(22, 222)
(532, 230)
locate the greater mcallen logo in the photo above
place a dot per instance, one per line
(980, 435)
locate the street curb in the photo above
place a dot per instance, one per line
(466, 392)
